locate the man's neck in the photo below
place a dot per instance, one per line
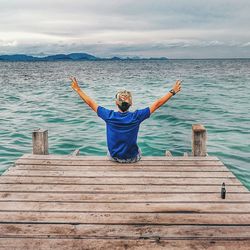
(122, 111)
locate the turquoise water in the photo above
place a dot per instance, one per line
(215, 93)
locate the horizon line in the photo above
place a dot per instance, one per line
(125, 57)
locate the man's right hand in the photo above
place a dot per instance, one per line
(74, 84)
(177, 86)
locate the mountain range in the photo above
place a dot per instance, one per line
(69, 57)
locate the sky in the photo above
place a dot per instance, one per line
(146, 28)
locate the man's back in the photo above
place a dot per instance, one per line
(122, 131)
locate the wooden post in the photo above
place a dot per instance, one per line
(199, 138)
(40, 142)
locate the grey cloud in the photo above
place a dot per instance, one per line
(112, 27)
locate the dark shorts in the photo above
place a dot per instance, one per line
(131, 160)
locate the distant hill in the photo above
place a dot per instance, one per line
(82, 56)
(19, 57)
(69, 57)
(57, 57)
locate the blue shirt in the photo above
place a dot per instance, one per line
(122, 130)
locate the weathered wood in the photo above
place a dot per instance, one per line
(78, 162)
(117, 188)
(128, 174)
(92, 203)
(127, 231)
(185, 168)
(185, 154)
(179, 218)
(124, 197)
(148, 207)
(147, 243)
(10, 179)
(199, 137)
(104, 158)
(40, 142)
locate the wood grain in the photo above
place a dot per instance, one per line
(118, 244)
(12, 179)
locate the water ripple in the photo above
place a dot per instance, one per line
(38, 95)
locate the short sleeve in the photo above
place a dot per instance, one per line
(103, 113)
(143, 114)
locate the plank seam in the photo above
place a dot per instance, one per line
(156, 238)
(104, 192)
(119, 212)
(204, 225)
(132, 202)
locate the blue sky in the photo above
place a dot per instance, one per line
(175, 29)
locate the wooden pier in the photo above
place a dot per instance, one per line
(88, 202)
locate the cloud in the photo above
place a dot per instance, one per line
(246, 44)
(119, 27)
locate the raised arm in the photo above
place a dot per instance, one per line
(158, 103)
(85, 98)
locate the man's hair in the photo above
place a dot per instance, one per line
(124, 99)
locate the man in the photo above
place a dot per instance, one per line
(123, 126)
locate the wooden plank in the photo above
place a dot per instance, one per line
(118, 244)
(104, 158)
(179, 218)
(124, 168)
(117, 188)
(123, 231)
(128, 174)
(139, 197)
(10, 179)
(76, 162)
(173, 207)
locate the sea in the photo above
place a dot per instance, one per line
(215, 93)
